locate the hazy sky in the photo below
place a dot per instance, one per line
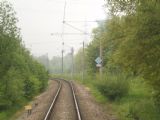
(39, 18)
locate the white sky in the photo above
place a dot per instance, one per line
(39, 18)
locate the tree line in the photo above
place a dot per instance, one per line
(21, 76)
(54, 65)
(130, 39)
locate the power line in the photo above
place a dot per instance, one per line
(82, 32)
(60, 34)
(88, 21)
(64, 14)
(74, 27)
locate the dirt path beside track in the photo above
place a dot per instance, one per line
(43, 101)
(90, 109)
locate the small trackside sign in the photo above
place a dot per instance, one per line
(98, 60)
(98, 65)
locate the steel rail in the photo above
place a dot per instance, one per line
(53, 102)
(47, 117)
(75, 100)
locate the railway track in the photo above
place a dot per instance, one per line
(64, 105)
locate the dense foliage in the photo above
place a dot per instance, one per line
(131, 41)
(113, 87)
(131, 46)
(21, 77)
(138, 50)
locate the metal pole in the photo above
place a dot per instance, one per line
(64, 12)
(83, 56)
(100, 68)
(47, 63)
(62, 61)
(72, 53)
(83, 63)
(63, 32)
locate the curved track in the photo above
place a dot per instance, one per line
(64, 105)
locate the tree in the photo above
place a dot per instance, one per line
(139, 50)
(131, 41)
(21, 77)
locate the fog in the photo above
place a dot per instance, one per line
(39, 18)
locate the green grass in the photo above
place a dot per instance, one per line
(13, 111)
(138, 104)
(9, 114)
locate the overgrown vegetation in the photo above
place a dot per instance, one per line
(136, 103)
(130, 40)
(21, 77)
(113, 87)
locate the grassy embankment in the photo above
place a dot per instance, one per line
(9, 113)
(13, 112)
(135, 104)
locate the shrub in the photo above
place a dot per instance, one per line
(156, 96)
(113, 87)
(143, 110)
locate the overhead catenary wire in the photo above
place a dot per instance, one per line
(64, 14)
(68, 23)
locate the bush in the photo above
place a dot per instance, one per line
(143, 110)
(156, 96)
(114, 87)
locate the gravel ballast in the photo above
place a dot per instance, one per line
(40, 103)
(64, 108)
(89, 108)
